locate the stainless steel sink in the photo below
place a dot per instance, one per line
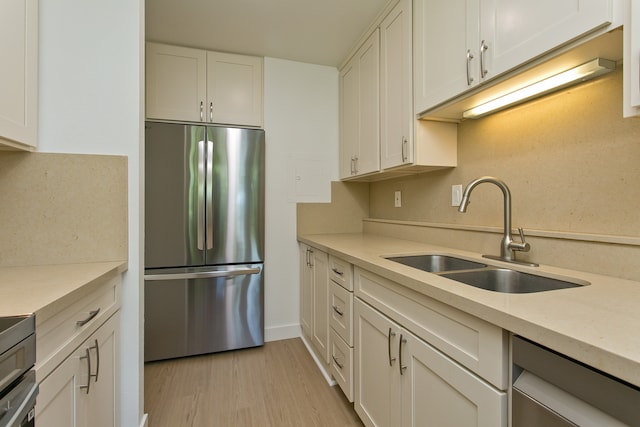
(509, 281)
(435, 263)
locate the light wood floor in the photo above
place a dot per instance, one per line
(277, 385)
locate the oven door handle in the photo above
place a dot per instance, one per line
(21, 401)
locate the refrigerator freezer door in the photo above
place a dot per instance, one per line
(235, 196)
(174, 196)
(198, 311)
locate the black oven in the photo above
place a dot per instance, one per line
(18, 387)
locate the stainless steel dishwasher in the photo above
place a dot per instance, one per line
(552, 390)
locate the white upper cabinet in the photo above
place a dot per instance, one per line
(234, 89)
(518, 31)
(446, 42)
(379, 135)
(632, 61)
(19, 77)
(464, 43)
(176, 83)
(360, 111)
(396, 87)
(194, 85)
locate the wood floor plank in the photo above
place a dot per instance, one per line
(277, 385)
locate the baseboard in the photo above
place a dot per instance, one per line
(321, 365)
(282, 332)
(144, 422)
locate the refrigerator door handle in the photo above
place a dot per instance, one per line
(209, 199)
(202, 274)
(201, 200)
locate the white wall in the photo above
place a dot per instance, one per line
(91, 68)
(301, 125)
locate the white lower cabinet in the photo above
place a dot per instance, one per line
(400, 380)
(314, 299)
(83, 390)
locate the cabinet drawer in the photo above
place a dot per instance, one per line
(341, 312)
(341, 364)
(59, 335)
(341, 272)
(478, 345)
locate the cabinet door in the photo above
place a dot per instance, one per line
(446, 50)
(102, 401)
(396, 87)
(176, 79)
(234, 89)
(320, 322)
(437, 391)
(368, 156)
(349, 117)
(19, 82)
(377, 382)
(360, 111)
(518, 31)
(306, 290)
(65, 400)
(56, 404)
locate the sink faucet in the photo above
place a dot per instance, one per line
(508, 246)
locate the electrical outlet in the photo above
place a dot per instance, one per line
(456, 195)
(397, 200)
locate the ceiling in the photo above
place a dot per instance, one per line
(314, 31)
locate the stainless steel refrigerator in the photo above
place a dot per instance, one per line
(204, 239)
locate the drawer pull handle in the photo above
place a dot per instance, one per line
(337, 310)
(338, 272)
(88, 357)
(338, 364)
(391, 334)
(97, 348)
(469, 58)
(402, 368)
(92, 314)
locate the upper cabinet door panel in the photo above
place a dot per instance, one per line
(234, 89)
(368, 156)
(396, 100)
(176, 83)
(19, 81)
(349, 117)
(519, 30)
(445, 50)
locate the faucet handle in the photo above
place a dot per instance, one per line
(521, 232)
(523, 246)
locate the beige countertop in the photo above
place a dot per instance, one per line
(41, 289)
(597, 324)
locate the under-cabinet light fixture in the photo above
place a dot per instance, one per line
(594, 68)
